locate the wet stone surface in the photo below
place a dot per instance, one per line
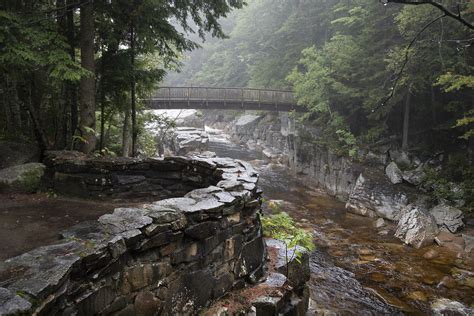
(155, 256)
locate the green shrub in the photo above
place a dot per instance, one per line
(282, 227)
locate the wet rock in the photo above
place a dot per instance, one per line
(414, 176)
(12, 304)
(230, 185)
(444, 237)
(251, 257)
(269, 305)
(188, 139)
(202, 230)
(448, 217)
(207, 205)
(468, 242)
(246, 124)
(450, 241)
(417, 227)
(287, 261)
(447, 282)
(400, 157)
(444, 306)
(430, 254)
(124, 219)
(379, 223)
(373, 195)
(225, 197)
(383, 232)
(417, 296)
(22, 178)
(12, 154)
(394, 173)
(180, 204)
(207, 154)
(331, 284)
(203, 193)
(146, 304)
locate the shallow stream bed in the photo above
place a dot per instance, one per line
(358, 269)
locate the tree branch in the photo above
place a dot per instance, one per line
(405, 61)
(446, 11)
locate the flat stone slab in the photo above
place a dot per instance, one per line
(124, 219)
(12, 304)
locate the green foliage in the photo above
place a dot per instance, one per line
(453, 182)
(282, 227)
(40, 73)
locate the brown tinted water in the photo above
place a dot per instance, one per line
(358, 269)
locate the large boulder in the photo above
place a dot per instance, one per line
(448, 217)
(417, 227)
(444, 306)
(22, 178)
(246, 124)
(12, 153)
(375, 196)
(400, 157)
(414, 176)
(394, 173)
(186, 140)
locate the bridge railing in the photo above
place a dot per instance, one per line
(212, 94)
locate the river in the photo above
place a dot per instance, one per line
(355, 268)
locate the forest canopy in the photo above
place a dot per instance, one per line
(366, 70)
(66, 64)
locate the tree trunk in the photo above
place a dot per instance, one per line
(132, 90)
(406, 119)
(87, 84)
(34, 103)
(126, 139)
(72, 92)
(102, 100)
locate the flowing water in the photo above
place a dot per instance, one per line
(356, 268)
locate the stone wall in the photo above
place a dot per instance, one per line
(71, 173)
(173, 256)
(278, 137)
(282, 140)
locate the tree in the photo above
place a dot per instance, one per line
(87, 85)
(41, 74)
(446, 12)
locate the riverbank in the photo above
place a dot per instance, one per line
(408, 279)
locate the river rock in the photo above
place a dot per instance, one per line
(444, 306)
(400, 157)
(246, 124)
(448, 217)
(414, 176)
(417, 227)
(12, 304)
(188, 139)
(22, 178)
(292, 261)
(379, 223)
(394, 173)
(373, 195)
(468, 242)
(12, 154)
(430, 254)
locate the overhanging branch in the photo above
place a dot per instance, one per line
(405, 61)
(457, 16)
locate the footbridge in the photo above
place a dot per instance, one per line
(223, 98)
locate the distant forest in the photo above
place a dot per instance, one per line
(366, 70)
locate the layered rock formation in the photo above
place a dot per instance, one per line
(171, 256)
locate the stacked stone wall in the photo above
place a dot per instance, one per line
(172, 256)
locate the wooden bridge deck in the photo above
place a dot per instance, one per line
(223, 98)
